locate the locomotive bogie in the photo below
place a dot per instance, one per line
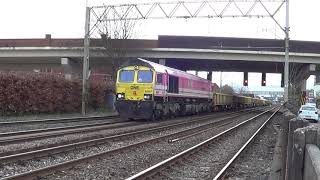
(128, 109)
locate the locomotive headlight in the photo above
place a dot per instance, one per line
(147, 97)
(120, 96)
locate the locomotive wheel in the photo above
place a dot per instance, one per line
(171, 114)
(165, 117)
(154, 117)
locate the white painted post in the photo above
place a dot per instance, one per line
(286, 61)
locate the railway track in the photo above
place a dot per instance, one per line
(5, 157)
(28, 135)
(16, 133)
(246, 144)
(60, 120)
(164, 169)
(69, 147)
(15, 137)
(38, 126)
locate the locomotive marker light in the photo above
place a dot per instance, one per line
(120, 96)
(147, 96)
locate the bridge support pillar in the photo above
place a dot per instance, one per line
(317, 81)
(298, 79)
(162, 61)
(303, 85)
(70, 68)
(209, 76)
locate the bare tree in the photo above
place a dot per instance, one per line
(226, 89)
(293, 83)
(242, 90)
(115, 37)
(294, 86)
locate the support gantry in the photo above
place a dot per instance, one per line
(97, 18)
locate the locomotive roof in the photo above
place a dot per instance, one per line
(136, 62)
(176, 72)
(161, 68)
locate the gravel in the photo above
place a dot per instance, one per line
(23, 166)
(129, 162)
(207, 163)
(255, 162)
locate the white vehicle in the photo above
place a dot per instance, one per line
(308, 112)
(311, 104)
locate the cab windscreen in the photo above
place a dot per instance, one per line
(145, 76)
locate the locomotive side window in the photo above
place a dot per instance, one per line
(126, 76)
(145, 76)
(159, 79)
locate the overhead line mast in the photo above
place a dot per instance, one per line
(97, 16)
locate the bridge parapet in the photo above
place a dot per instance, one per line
(303, 154)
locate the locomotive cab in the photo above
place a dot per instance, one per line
(135, 91)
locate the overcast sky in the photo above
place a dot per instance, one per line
(65, 19)
(61, 18)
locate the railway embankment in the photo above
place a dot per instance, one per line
(278, 166)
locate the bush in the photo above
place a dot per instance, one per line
(46, 93)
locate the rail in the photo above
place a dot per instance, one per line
(157, 167)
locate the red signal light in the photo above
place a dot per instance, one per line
(245, 78)
(263, 82)
(245, 82)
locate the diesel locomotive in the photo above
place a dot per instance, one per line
(147, 90)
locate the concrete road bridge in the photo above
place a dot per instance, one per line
(182, 52)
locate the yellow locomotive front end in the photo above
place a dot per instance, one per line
(135, 92)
